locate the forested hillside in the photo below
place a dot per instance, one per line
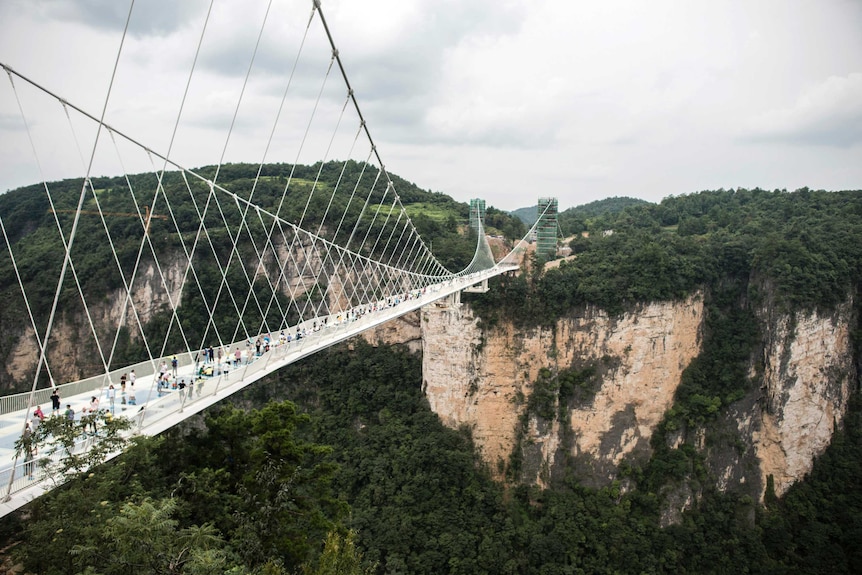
(254, 492)
(29, 222)
(804, 245)
(357, 459)
(745, 250)
(573, 220)
(181, 205)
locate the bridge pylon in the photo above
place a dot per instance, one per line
(546, 229)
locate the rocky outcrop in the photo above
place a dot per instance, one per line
(70, 350)
(483, 379)
(154, 290)
(405, 330)
(23, 355)
(803, 374)
(807, 378)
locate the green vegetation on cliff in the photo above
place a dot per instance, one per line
(254, 492)
(356, 475)
(179, 205)
(746, 251)
(802, 247)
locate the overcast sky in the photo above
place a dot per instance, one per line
(507, 100)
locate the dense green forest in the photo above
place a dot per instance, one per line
(298, 193)
(337, 465)
(256, 490)
(31, 229)
(802, 247)
(573, 220)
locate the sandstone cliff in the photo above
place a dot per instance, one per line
(72, 353)
(808, 371)
(484, 379)
(405, 330)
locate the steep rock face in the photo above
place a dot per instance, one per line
(483, 380)
(21, 360)
(153, 290)
(803, 373)
(808, 371)
(405, 330)
(71, 352)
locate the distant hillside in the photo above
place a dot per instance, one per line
(107, 251)
(577, 219)
(606, 206)
(526, 215)
(593, 209)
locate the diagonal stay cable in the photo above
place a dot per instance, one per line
(67, 250)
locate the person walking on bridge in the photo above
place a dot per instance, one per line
(94, 413)
(29, 447)
(55, 402)
(70, 414)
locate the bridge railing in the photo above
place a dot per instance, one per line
(146, 369)
(162, 411)
(174, 401)
(28, 473)
(42, 397)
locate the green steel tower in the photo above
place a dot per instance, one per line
(477, 213)
(546, 229)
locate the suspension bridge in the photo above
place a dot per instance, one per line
(182, 286)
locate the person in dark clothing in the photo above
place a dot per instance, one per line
(55, 402)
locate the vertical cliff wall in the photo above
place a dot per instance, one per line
(71, 351)
(483, 379)
(808, 371)
(405, 330)
(802, 376)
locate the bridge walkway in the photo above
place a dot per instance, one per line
(157, 410)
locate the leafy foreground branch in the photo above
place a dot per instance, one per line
(67, 449)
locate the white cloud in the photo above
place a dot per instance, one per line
(151, 17)
(827, 114)
(506, 99)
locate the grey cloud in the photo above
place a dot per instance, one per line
(829, 114)
(400, 76)
(9, 122)
(836, 132)
(150, 18)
